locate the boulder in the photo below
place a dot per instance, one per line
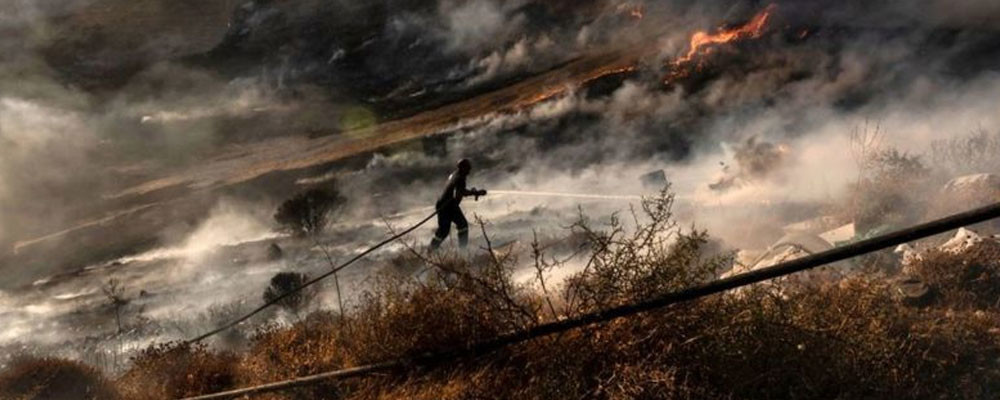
(907, 256)
(791, 247)
(962, 241)
(973, 183)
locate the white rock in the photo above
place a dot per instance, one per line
(962, 241)
(908, 256)
(973, 182)
(789, 248)
(841, 234)
(812, 226)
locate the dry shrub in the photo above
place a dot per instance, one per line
(399, 317)
(851, 339)
(970, 154)
(946, 202)
(401, 320)
(967, 280)
(883, 195)
(51, 379)
(651, 258)
(308, 212)
(171, 371)
(290, 285)
(311, 346)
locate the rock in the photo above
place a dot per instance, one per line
(789, 248)
(907, 257)
(962, 241)
(975, 182)
(812, 226)
(842, 234)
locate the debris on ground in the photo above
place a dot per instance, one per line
(914, 292)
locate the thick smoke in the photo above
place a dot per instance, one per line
(280, 73)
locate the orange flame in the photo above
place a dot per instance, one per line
(751, 30)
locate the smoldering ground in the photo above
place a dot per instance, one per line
(274, 69)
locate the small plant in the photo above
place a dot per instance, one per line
(114, 292)
(288, 283)
(308, 212)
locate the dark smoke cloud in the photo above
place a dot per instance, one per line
(91, 102)
(260, 69)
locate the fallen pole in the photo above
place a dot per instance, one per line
(722, 285)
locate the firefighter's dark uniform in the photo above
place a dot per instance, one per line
(449, 211)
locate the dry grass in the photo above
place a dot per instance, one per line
(50, 379)
(970, 154)
(852, 339)
(969, 280)
(883, 193)
(176, 371)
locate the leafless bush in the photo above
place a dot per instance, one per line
(653, 257)
(978, 152)
(114, 292)
(884, 193)
(308, 212)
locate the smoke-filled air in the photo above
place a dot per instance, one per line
(489, 199)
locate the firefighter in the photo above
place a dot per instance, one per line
(448, 206)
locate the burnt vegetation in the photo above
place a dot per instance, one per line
(308, 212)
(286, 287)
(854, 338)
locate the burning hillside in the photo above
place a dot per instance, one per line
(151, 148)
(703, 43)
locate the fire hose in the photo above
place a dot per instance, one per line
(567, 195)
(395, 237)
(714, 287)
(313, 281)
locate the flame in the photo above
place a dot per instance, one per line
(751, 30)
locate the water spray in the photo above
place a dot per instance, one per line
(566, 195)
